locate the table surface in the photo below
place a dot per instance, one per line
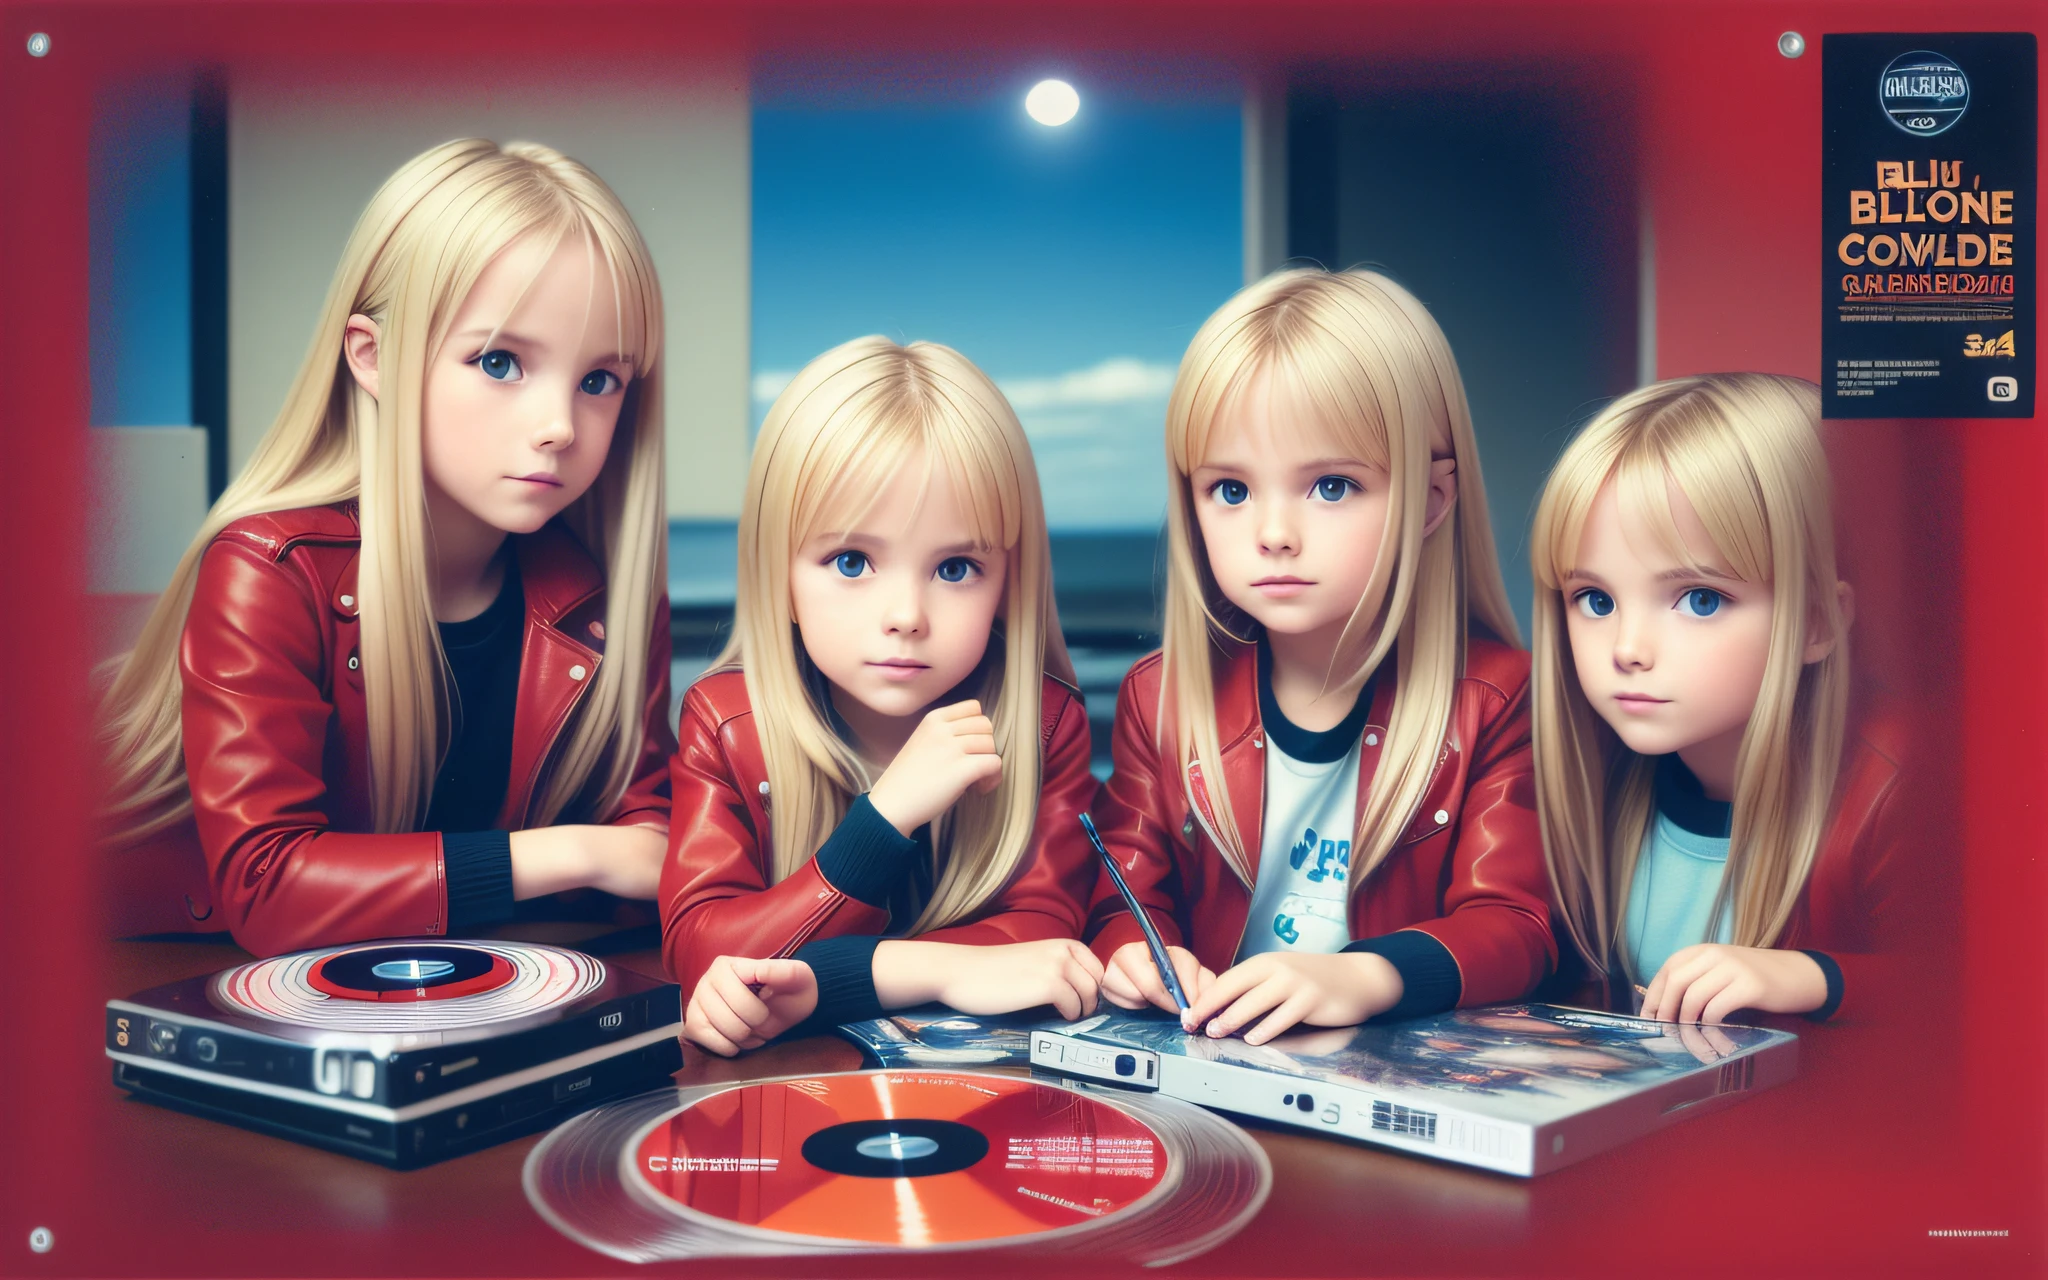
(1818, 1174)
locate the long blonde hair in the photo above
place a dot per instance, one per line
(1372, 367)
(851, 419)
(1745, 451)
(418, 248)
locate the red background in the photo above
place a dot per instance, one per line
(1945, 521)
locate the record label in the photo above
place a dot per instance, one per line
(902, 1159)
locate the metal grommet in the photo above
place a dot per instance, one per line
(1791, 44)
(1442, 816)
(41, 1240)
(764, 788)
(578, 671)
(354, 663)
(1258, 744)
(1188, 828)
(39, 46)
(348, 602)
(1372, 739)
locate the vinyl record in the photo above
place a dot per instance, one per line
(897, 1160)
(407, 986)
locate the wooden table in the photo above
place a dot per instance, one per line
(1795, 1180)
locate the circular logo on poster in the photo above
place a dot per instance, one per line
(1924, 93)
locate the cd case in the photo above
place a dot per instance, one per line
(1520, 1089)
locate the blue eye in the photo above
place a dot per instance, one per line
(1594, 603)
(1701, 602)
(1230, 492)
(957, 569)
(600, 382)
(499, 365)
(850, 564)
(1333, 488)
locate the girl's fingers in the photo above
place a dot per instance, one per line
(1703, 990)
(1228, 986)
(958, 711)
(1291, 1011)
(732, 990)
(1731, 999)
(977, 744)
(1267, 995)
(1066, 1000)
(1086, 958)
(723, 1020)
(1718, 1038)
(705, 1035)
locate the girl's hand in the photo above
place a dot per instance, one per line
(741, 1003)
(1712, 980)
(997, 979)
(1296, 986)
(1132, 981)
(953, 748)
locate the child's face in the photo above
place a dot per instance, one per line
(1291, 523)
(1671, 655)
(897, 612)
(517, 426)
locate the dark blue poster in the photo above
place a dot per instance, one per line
(1928, 173)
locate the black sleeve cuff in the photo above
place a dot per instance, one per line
(478, 865)
(1429, 976)
(1833, 973)
(864, 856)
(845, 969)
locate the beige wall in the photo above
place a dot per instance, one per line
(305, 155)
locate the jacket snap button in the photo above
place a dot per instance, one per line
(1442, 816)
(348, 602)
(1258, 744)
(1187, 828)
(764, 788)
(596, 630)
(354, 663)
(1372, 739)
(577, 672)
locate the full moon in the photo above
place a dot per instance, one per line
(1052, 102)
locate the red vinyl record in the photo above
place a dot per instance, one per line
(902, 1159)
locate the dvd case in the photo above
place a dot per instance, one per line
(1521, 1089)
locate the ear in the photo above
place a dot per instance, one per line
(1443, 493)
(1819, 643)
(359, 348)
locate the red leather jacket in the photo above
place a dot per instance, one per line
(280, 850)
(715, 895)
(1468, 871)
(1869, 903)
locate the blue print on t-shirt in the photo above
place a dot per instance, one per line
(1333, 857)
(1283, 926)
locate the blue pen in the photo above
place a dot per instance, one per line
(1152, 939)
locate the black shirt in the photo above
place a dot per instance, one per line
(483, 697)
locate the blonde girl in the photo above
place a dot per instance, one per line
(1321, 788)
(1708, 840)
(878, 785)
(415, 664)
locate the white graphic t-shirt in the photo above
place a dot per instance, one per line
(1303, 896)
